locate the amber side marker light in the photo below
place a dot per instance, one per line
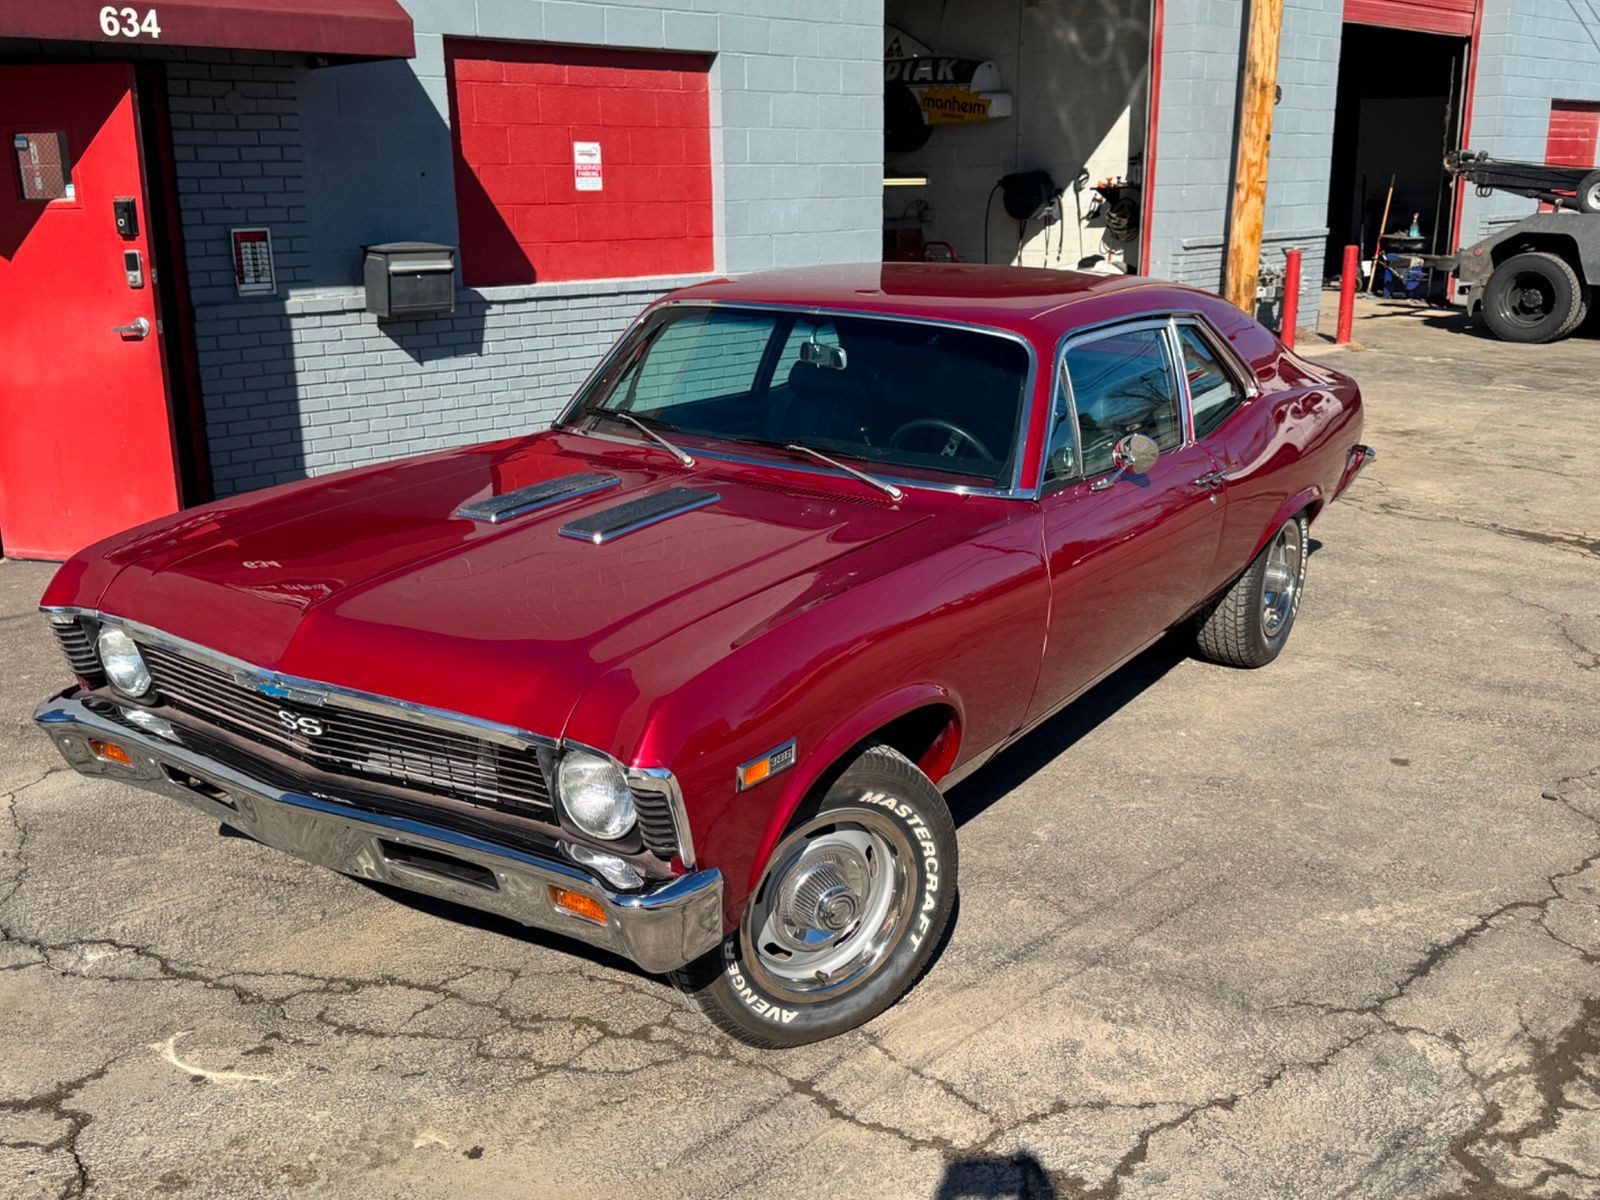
(110, 752)
(577, 904)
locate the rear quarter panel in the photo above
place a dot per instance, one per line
(1287, 449)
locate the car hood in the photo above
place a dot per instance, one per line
(370, 581)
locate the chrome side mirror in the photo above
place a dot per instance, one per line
(1134, 454)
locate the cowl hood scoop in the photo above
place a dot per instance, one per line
(631, 515)
(514, 503)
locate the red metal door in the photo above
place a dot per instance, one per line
(86, 439)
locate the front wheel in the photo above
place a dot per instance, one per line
(846, 915)
(1249, 624)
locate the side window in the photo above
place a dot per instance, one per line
(1123, 383)
(1214, 394)
(698, 358)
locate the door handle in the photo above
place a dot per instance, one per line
(138, 331)
(1212, 479)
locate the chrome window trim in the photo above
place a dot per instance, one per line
(1016, 490)
(1063, 389)
(1227, 363)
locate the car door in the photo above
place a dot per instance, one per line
(1254, 439)
(1128, 555)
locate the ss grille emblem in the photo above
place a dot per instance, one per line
(295, 723)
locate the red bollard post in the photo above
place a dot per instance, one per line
(1347, 293)
(1291, 298)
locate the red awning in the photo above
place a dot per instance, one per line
(347, 28)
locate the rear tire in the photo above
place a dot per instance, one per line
(1249, 624)
(1533, 297)
(1589, 193)
(846, 915)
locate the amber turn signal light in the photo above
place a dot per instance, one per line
(577, 904)
(110, 752)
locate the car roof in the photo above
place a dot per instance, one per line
(1027, 300)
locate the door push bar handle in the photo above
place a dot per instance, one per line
(1212, 479)
(139, 330)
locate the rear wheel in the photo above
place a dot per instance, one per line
(846, 915)
(1249, 625)
(1533, 297)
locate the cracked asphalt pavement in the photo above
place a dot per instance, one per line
(1327, 929)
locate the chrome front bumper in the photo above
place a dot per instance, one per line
(659, 929)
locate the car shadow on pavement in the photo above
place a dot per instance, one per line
(1018, 1177)
(1019, 762)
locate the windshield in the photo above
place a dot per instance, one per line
(901, 397)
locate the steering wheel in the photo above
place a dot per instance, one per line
(957, 436)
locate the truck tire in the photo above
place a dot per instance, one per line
(852, 903)
(1250, 622)
(1589, 193)
(1533, 297)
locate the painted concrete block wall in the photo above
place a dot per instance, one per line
(1078, 79)
(797, 119)
(337, 157)
(1529, 53)
(1195, 146)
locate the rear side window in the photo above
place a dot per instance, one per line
(1123, 383)
(1214, 394)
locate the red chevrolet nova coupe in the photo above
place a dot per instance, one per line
(686, 675)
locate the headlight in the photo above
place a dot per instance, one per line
(124, 666)
(595, 794)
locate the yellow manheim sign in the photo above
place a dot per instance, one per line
(953, 105)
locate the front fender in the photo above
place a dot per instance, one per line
(819, 760)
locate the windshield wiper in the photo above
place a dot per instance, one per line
(677, 452)
(883, 485)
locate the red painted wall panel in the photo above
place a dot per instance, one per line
(1424, 16)
(516, 111)
(1574, 133)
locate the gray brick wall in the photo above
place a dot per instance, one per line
(353, 390)
(796, 115)
(305, 382)
(1530, 52)
(1194, 164)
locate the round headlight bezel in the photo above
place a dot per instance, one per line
(595, 796)
(123, 664)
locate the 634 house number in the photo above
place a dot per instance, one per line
(128, 22)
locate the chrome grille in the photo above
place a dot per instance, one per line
(78, 646)
(394, 749)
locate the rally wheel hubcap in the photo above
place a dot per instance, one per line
(832, 905)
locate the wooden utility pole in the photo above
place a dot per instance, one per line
(1256, 99)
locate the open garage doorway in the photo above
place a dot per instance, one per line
(1398, 111)
(978, 90)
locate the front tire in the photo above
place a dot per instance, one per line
(1249, 624)
(853, 901)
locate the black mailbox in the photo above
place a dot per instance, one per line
(410, 279)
